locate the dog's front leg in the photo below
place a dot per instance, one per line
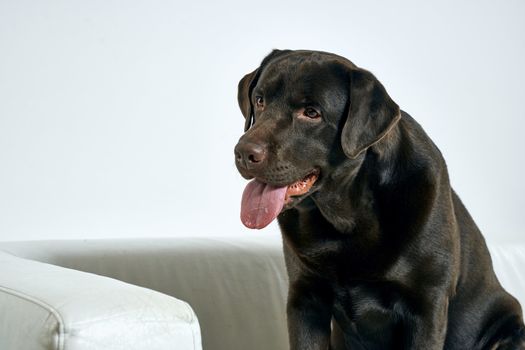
(309, 312)
(427, 329)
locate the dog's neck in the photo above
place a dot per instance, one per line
(359, 191)
(345, 199)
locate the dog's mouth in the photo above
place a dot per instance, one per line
(301, 187)
(262, 202)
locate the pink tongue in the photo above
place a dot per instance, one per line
(261, 203)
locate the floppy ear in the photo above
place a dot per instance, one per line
(372, 113)
(247, 84)
(244, 93)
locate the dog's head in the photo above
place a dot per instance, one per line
(305, 112)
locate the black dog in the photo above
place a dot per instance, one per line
(380, 251)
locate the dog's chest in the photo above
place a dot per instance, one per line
(367, 314)
(330, 255)
(366, 311)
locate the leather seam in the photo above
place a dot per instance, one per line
(194, 323)
(45, 306)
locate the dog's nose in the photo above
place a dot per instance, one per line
(250, 155)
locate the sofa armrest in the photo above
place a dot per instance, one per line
(237, 286)
(44, 306)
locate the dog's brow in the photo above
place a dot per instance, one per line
(258, 91)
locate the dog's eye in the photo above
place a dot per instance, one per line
(259, 101)
(311, 113)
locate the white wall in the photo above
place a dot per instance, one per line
(118, 118)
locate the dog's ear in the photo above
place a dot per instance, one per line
(246, 85)
(371, 115)
(244, 93)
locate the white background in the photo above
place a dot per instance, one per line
(118, 118)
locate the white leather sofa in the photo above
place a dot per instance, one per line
(136, 294)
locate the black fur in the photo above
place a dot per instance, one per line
(381, 253)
